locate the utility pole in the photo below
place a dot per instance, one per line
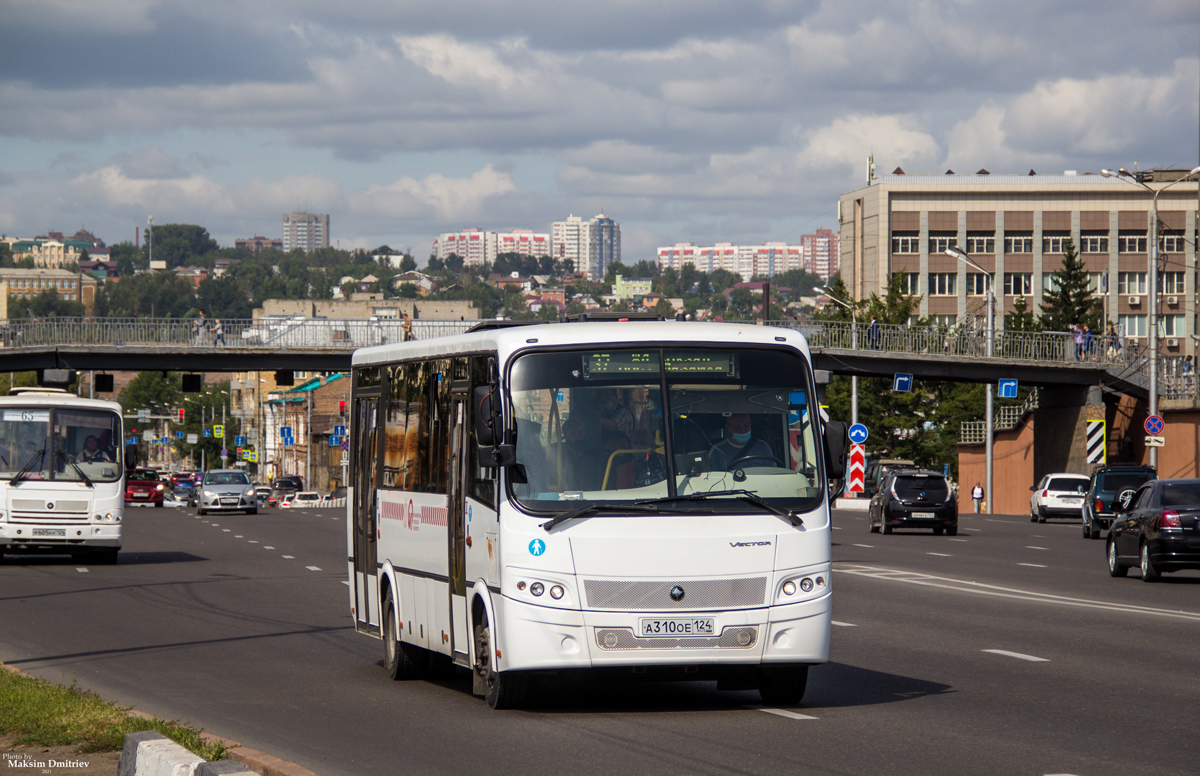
(308, 440)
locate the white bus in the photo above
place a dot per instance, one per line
(61, 475)
(646, 498)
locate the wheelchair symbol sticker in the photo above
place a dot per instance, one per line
(537, 547)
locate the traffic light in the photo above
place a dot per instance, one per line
(342, 408)
(181, 414)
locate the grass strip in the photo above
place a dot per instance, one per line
(45, 714)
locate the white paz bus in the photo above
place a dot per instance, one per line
(646, 498)
(61, 475)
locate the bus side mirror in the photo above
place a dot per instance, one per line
(835, 449)
(131, 456)
(489, 428)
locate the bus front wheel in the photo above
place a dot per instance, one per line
(782, 685)
(501, 689)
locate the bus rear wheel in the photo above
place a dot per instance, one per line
(782, 685)
(501, 689)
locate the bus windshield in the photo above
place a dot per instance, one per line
(45, 443)
(624, 424)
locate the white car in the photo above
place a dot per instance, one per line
(305, 498)
(1058, 495)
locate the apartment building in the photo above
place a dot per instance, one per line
(473, 245)
(1015, 228)
(592, 245)
(820, 253)
(257, 244)
(523, 242)
(305, 231)
(747, 261)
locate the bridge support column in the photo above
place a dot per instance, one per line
(1060, 428)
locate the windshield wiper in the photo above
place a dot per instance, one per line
(34, 459)
(84, 477)
(746, 496)
(629, 506)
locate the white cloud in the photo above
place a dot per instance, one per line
(461, 64)
(434, 198)
(847, 141)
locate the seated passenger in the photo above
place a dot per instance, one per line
(738, 446)
(91, 452)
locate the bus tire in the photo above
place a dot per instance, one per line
(501, 689)
(782, 685)
(401, 661)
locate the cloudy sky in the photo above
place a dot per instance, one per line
(694, 120)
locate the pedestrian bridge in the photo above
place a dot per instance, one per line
(321, 344)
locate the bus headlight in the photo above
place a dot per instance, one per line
(537, 588)
(556, 592)
(789, 588)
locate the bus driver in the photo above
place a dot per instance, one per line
(737, 446)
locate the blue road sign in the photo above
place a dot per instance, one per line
(945, 470)
(857, 433)
(339, 431)
(208, 432)
(1154, 425)
(1007, 388)
(288, 441)
(285, 431)
(334, 441)
(903, 383)
(179, 435)
(239, 441)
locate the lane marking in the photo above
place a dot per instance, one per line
(831, 622)
(997, 591)
(252, 541)
(782, 712)
(1031, 547)
(344, 582)
(1033, 565)
(227, 530)
(312, 568)
(265, 547)
(81, 570)
(238, 536)
(940, 554)
(290, 557)
(869, 546)
(838, 527)
(1017, 655)
(958, 540)
(973, 529)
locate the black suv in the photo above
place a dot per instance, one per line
(290, 482)
(1107, 482)
(914, 498)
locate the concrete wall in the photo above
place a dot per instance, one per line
(1180, 457)
(1012, 469)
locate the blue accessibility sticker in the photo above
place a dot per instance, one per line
(537, 547)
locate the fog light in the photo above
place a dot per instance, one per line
(789, 588)
(820, 581)
(520, 586)
(610, 640)
(537, 588)
(556, 592)
(744, 637)
(806, 585)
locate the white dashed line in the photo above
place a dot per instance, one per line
(252, 541)
(940, 554)
(1017, 655)
(1031, 547)
(226, 530)
(238, 536)
(837, 528)
(81, 570)
(312, 568)
(1032, 565)
(782, 713)
(869, 546)
(290, 557)
(958, 540)
(265, 547)
(831, 622)
(977, 530)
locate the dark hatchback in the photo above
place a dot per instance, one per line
(1159, 531)
(914, 498)
(1107, 482)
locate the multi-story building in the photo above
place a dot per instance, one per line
(16, 282)
(523, 242)
(1015, 228)
(591, 245)
(766, 260)
(257, 245)
(605, 248)
(50, 252)
(305, 231)
(473, 245)
(820, 253)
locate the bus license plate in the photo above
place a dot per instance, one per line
(923, 515)
(677, 627)
(50, 532)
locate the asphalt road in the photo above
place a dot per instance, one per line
(1005, 650)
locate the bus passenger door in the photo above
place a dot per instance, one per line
(365, 582)
(460, 632)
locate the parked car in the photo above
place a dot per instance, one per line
(142, 486)
(1107, 481)
(1159, 530)
(226, 490)
(876, 471)
(914, 498)
(306, 498)
(1058, 495)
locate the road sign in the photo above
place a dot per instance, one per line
(289, 441)
(219, 432)
(857, 469)
(334, 441)
(252, 456)
(239, 441)
(285, 431)
(903, 383)
(1096, 449)
(1007, 388)
(345, 459)
(193, 439)
(1156, 441)
(224, 453)
(143, 415)
(339, 431)
(252, 435)
(207, 432)
(857, 433)
(179, 435)
(1154, 425)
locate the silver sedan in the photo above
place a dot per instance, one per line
(226, 490)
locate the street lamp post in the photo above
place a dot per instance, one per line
(1152, 327)
(853, 346)
(989, 422)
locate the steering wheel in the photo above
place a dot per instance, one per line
(755, 456)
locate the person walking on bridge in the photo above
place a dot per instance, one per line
(218, 332)
(873, 334)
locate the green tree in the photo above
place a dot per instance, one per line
(1070, 301)
(1021, 318)
(180, 245)
(408, 263)
(45, 305)
(126, 257)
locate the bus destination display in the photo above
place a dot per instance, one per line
(633, 362)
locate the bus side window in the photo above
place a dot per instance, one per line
(482, 481)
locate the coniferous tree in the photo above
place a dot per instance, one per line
(1070, 302)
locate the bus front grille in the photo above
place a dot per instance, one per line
(656, 595)
(735, 637)
(36, 510)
